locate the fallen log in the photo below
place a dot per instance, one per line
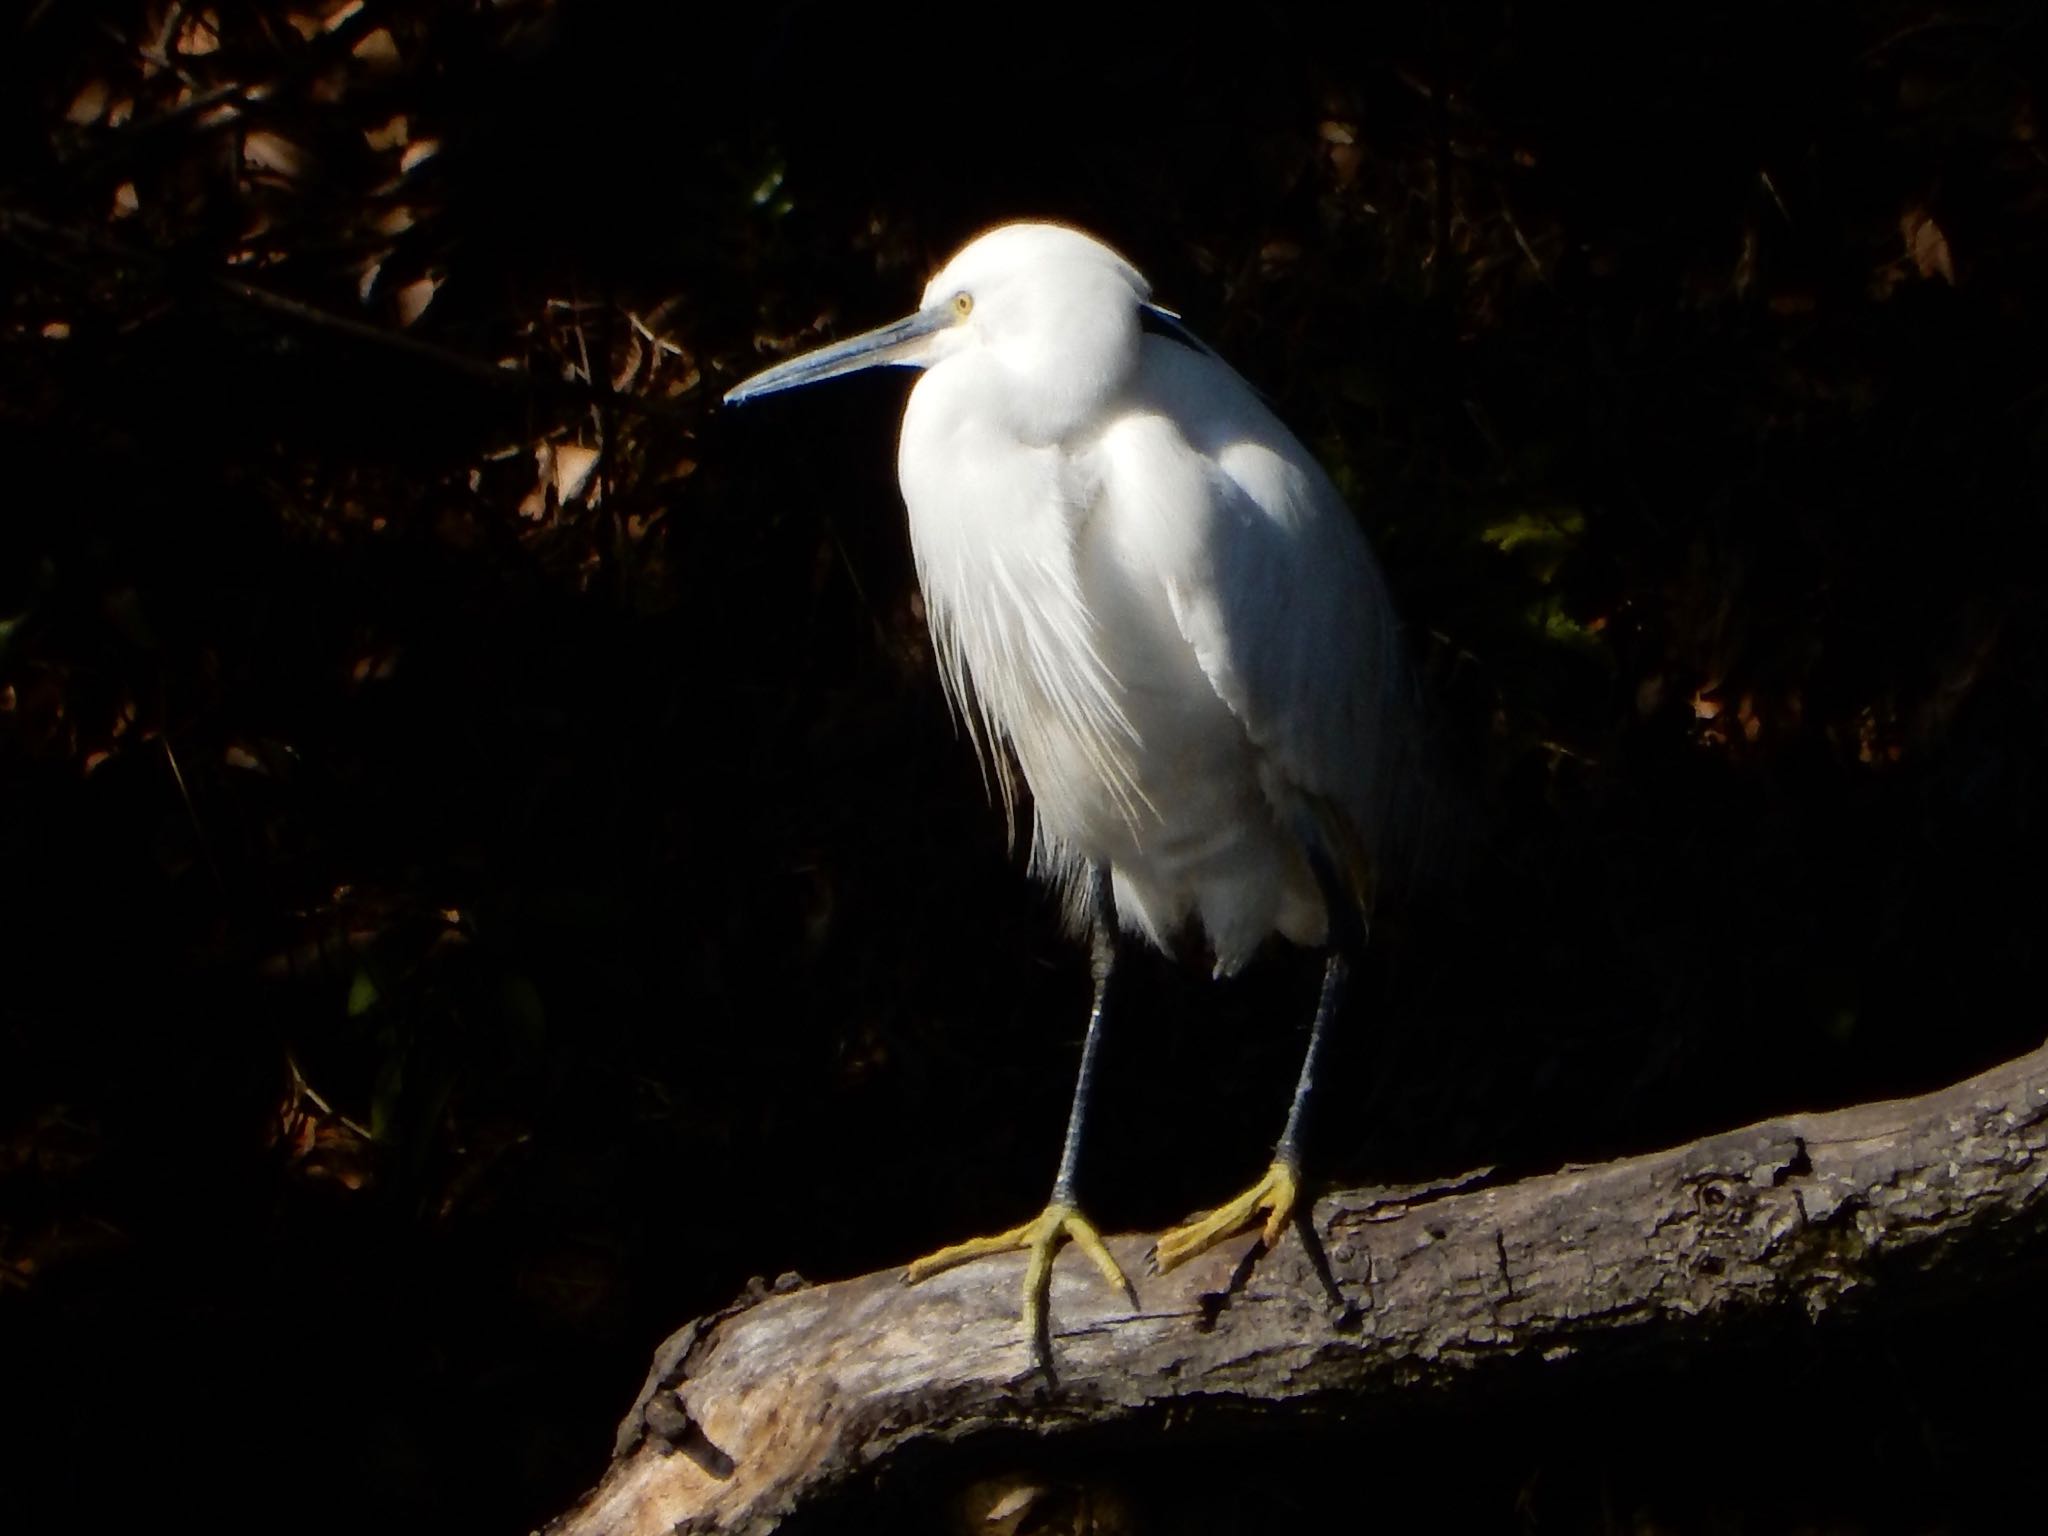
(757, 1412)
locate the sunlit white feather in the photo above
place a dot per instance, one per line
(1143, 590)
(1139, 581)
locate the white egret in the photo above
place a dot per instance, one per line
(1147, 596)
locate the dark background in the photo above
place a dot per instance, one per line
(452, 931)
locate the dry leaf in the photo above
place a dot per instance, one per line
(1927, 245)
(200, 35)
(574, 465)
(88, 104)
(390, 135)
(629, 368)
(534, 505)
(267, 151)
(414, 297)
(378, 49)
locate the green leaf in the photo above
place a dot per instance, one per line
(1554, 528)
(362, 994)
(1549, 618)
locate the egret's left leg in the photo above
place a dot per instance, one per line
(1061, 1219)
(1277, 1193)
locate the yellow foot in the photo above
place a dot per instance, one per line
(1041, 1238)
(1275, 1194)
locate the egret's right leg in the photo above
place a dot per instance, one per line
(1061, 1219)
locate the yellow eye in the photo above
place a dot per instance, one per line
(963, 304)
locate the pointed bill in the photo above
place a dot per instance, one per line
(902, 344)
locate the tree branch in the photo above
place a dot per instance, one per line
(753, 1412)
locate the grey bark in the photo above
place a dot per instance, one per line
(750, 1414)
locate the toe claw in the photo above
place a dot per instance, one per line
(1090, 1242)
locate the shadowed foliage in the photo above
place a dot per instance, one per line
(484, 865)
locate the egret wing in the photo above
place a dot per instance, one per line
(1273, 586)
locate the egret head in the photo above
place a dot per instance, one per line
(1053, 313)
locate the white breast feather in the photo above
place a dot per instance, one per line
(1019, 660)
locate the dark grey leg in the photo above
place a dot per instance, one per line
(1061, 1220)
(1102, 948)
(1347, 943)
